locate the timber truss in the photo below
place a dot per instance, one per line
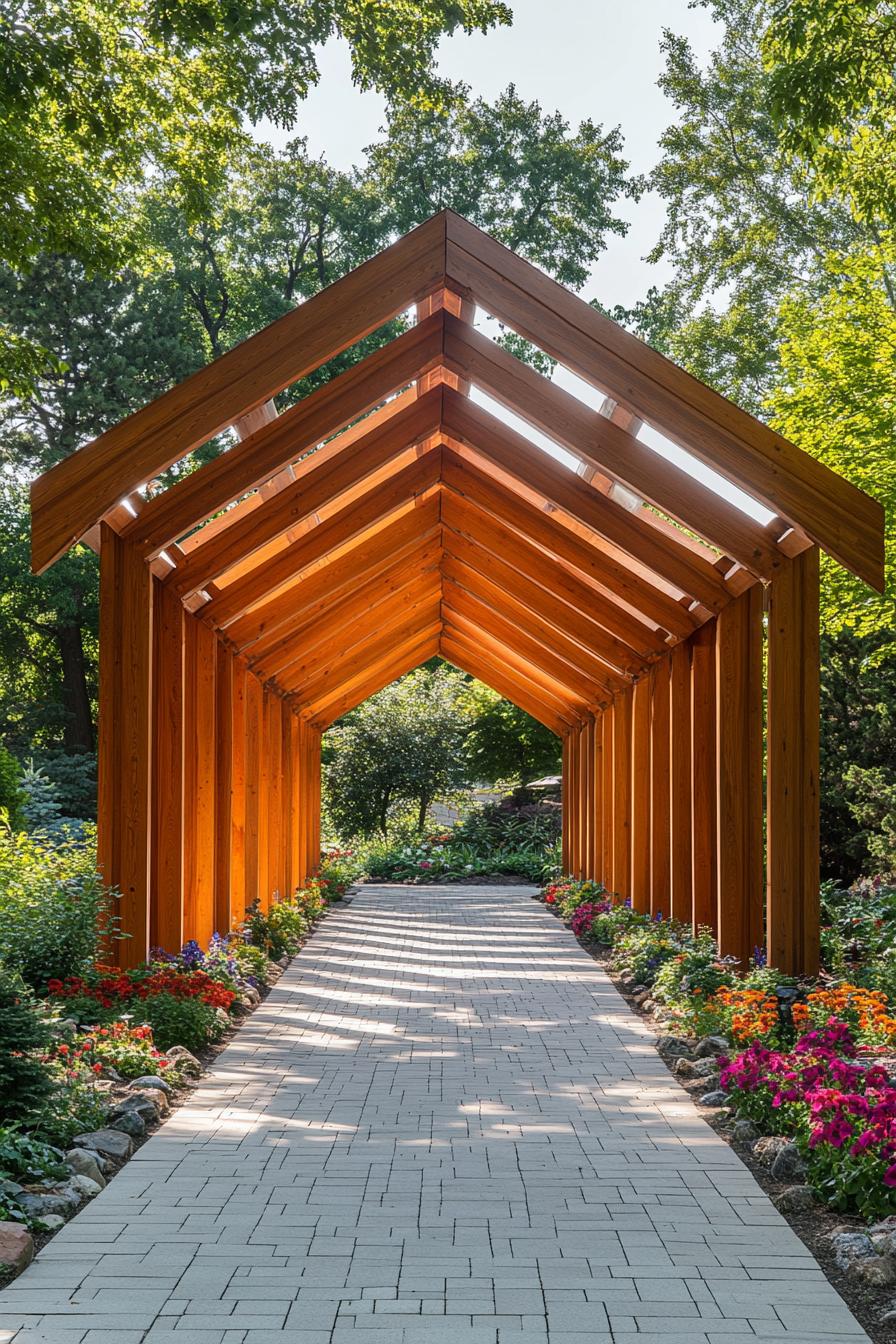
(388, 517)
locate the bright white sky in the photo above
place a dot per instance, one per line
(594, 58)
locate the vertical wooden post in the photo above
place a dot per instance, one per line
(223, 786)
(660, 806)
(739, 752)
(680, 782)
(640, 861)
(609, 799)
(295, 795)
(565, 802)
(238, 792)
(253, 786)
(793, 767)
(167, 858)
(200, 653)
(587, 739)
(274, 744)
(703, 753)
(265, 884)
(316, 743)
(125, 738)
(597, 839)
(622, 793)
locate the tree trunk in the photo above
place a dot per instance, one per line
(421, 815)
(78, 732)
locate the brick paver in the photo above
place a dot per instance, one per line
(444, 1126)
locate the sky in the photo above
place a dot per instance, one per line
(594, 58)
(597, 59)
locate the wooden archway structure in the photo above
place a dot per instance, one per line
(387, 517)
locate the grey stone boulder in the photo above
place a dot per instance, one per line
(694, 1068)
(796, 1199)
(84, 1163)
(150, 1082)
(11, 1188)
(16, 1247)
(711, 1047)
(223, 1017)
(766, 1149)
(674, 1047)
(37, 1206)
(788, 1164)
(857, 1256)
(744, 1131)
(51, 1222)
(716, 1098)
(851, 1246)
(110, 1142)
(143, 1104)
(187, 1062)
(130, 1122)
(84, 1186)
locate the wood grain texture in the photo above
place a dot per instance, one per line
(640, 862)
(75, 493)
(681, 790)
(843, 520)
(373, 679)
(470, 659)
(660, 802)
(792, 911)
(167, 854)
(224, 915)
(238, 791)
(200, 652)
(703, 757)
(622, 794)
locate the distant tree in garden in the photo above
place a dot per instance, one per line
(505, 743)
(11, 797)
(402, 749)
(24, 1032)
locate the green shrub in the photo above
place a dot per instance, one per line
(175, 1021)
(54, 910)
(23, 1158)
(25, 1082)
(75, 1106)
(695, 971)
(252, 960)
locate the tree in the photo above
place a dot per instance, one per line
(401, 749)
(504, 743)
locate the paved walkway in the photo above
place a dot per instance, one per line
(444, 1126)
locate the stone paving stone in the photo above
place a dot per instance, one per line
(443, 1126)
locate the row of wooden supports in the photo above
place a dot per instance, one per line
(209, 783)
(683, 797)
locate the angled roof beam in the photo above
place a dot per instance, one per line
(518, 457)
(404, 660)
(406, 489)
(464, 516)
(609, 448)
(78, 491)
(558, 639)
(347, 664)
(840, 518)
(470, 660)
(653, 607)
(370, 552)
(324, 412)
(320, 483)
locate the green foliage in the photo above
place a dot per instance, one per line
(404, 747)
(10, 788)
(506, 743)
(25, 1083)
(278, 931)
(75, 1106)
(181, 1021)
(24, 1159)
(54, 910)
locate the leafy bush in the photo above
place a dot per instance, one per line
(339, 868)
(278, 931)
(129, 1050)
(54, 910)
(75, 1106)
(23, 1158)
(181, 1021)
(25, 1083)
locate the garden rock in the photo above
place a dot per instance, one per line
(57, 1201)
(109, 1142)
(674, 1047)
(16, 1246)
(150, 1081)
(694, 1068)
(711, 1047)
(744, 1131)
(224, 1018)
(130, 1122)
(187, 1062)
(796, 1199)
(250, 993)
(766, 1149)
(856, 1256)
(52, 1222)
(84, 1163)
(788, 1164)
(148, 1105)
(11, 1188)
(716, 1098)
(82, 1187)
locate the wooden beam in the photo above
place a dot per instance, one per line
(793, 768)
(346, 664)
(660, 801)
(843, 520)
(200, 653)
(739, 753)
(640, 793)
(466, 424)
(608, 794)
(469, 659)
(617, 583)
(507, 544)
(254, 754)
(406, 489)
(223, 914)
(373, 679)
(323, 480)
(125, 752)
(609, 448)
(238, 792)
(703, 756)
(681, 789)
(469, 632)
(167, 852)
(622, 794)
(75, 493)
